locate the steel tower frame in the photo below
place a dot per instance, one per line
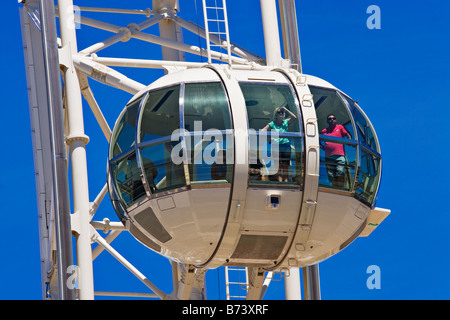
(57, 78)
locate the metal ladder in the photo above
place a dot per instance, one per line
(234, 282)
(216, 24)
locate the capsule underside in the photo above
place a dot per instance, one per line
(193, 175)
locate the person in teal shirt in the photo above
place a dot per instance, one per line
(281, 125)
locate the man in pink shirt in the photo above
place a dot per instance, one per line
(335, 152)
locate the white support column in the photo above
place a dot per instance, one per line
(271, 33)
(168, 29)
(311, 282)
(290, 33)
(77, 141)
(292, 284)
(59, 180)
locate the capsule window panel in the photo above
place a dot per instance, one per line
(210, 158)
(368, 177)
(123, 137)
(269, 164)
(161, 172)
(161, 114)
(275, 147)
(263, 100)
(363, 127)
(127, 177)
(326, 102)
(206, 107)
(338, 171)
(207, 124)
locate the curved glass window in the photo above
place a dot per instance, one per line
(161, 114)
(275, 142)
(160, 121)
(337, 140)
(208, 134)
(363, 128)
(127, 178)
(161, 173)
(123, 136)
(368, 177)
(124, 170)
(206, 104)
(348, 146)
(370, 158)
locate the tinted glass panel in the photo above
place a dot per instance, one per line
(207, 121)
(338, 153)
(161, 114)
(337, 171)
(363, 127)
(263, 100)
(124, 133)
(329, 102)
(369, 175)
(209, 159)
(275, 142)
(161, 172)
(207, 104)
(127, 177)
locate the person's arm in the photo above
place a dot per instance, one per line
(345, 132)
(266, 128)
(291, 114)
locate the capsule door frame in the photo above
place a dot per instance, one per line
(231, 231)
(312, 165)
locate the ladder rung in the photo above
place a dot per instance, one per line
(221, 21)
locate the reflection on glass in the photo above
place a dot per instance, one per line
(161, 114)
(266, 160)
(210, 161)
(337, 171)
(206, 104)
(123, 136)
(328, 102)
(275, 144)
(161, 173)
(127, 177)
(363, 127)
(207, 121)
(263, 100)
(368, 177)
(344, 150)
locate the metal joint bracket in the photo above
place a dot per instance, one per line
(307, 100)
(65, 57)
(126, 34)
(80, 137)
(75, 222)
(300, 80)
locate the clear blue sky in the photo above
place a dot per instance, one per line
(400, 74)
